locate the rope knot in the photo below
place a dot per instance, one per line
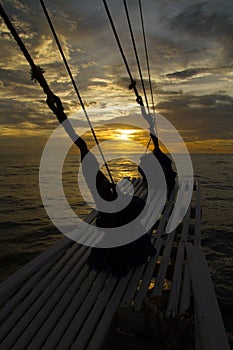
(36, 73)
(139, 100)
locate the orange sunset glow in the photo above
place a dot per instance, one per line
(191, 72)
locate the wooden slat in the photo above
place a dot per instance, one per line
(197, 227)
(35, 293)
(137, 185)
(57, 322)
(141, 294)
(92, 317)
(185, 292)
(164, 264)
(93, 236)
(26, 303)
(124, 184)
(197, 334)
(132, 288)
(14, 282)
(60, 303)
(137, 275)
(185, 227)
(27, 287)
(182, 203)
(76, 277)
(174, 298)
(26, 311)
(166, 213)
(103, 325)
(176, 283)
(212, 331)
(153, 210)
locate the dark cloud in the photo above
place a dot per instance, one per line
(157, 88)
(210, 21)
(200, 101)
(208, 116)
(187, 73)
(190, 50)
(203, 19)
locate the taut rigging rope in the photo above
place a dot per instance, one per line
(36, 71)
(75, 86)
(136, 53)
(133, 82)
(148, 70)
(53, 101)
(147, 56)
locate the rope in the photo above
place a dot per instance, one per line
(75, 86)
(136, 54)
(147, 56)
(148, 69)
(36, 71)
(16, 37)
(53, 101)
(133, 82)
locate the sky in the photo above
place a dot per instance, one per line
(191, 59)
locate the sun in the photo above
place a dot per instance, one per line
(124, 134)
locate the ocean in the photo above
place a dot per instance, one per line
(26, 229)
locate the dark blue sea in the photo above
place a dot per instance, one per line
(26, 230)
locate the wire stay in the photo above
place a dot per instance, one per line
(136, 53)
(132, 81)
(148, 70)
(75, 86)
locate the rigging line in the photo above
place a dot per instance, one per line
(136, 53)
(36, 71)
(75, 87)
(146, 53)
(17, 38)
(148, 144)
(148, 68)
(133, 82)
